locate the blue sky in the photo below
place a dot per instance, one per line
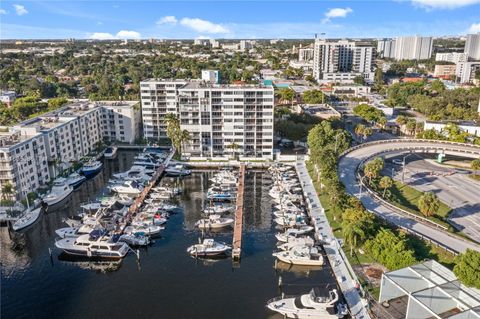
(236, 19)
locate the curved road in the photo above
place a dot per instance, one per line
(352, 158)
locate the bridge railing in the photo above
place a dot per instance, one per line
(474, 149)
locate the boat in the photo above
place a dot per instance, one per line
(296, 241)
(208, 247)
(73, 232)
(150, 230)
(27, 219)
(218, 209)
(134, 171)
(75, 179)
(135, 239)
(293, 232)
(91, 168)
(220, 196)
(309, 306)
(214, 222)
(147, 161)
(60, 190)
(301, 255)
(111, 152)
(177, 171)
(95, 244)
(130, 188)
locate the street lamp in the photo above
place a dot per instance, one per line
(403, 166)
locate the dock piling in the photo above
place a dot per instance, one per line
(238, 225)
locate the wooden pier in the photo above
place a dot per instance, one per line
(139, 200)
(238, 226)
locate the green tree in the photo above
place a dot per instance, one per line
(467, 268)
(313, 97)
(359, 80)
(475, 165)
(373, 168)
(353, 234)
(368, 131)
(428, 204)
(359, 129)
(385, 183)
(7, 191)
(286, 94)
(174, 132)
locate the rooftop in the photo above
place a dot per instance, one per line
(12, 137)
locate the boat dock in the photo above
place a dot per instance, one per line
(153, 181)
(346, 278)
(238, 226)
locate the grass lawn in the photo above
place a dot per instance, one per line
(406, 197)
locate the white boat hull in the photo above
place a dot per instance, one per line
(28, 219)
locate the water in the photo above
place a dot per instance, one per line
(166, 282)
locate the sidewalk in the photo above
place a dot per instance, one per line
(344, 274)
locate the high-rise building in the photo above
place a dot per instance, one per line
(453, 57)
(472, 46)
(212, 76)
(342, 60)
(465, 71)
(305, 54)
(413, 48)
(221, 119)
(386, 48)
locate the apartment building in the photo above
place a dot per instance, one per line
(472, 46)
(23, 162)
(342, 60)
(407, 48)
(121, 120)
(35, 151)
(305, 54)
(386, 48)
(465, 71)
(444, 70)
(8, 97)
(222, 120)
(453, 57)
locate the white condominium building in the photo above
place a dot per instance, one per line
(465, 71)
(386, 48)
(472, 46)
(342, 60)
(35, 151)
(413, 48)
(305, 54)
(221, 119)
(454, 57)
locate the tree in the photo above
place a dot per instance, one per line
(313, 97)
(411, 125)
(467, 267)
(367, 132)
(401, 120)
(359, 128)
(437, 86)
(359, 80)
(385, 182)
(475, 165)
(378, 76)
(286, 94)
(174, 132)
(7, 191)
(428, 204)
(353, 234)
(234, 147)
(373, 168)
(368, 113)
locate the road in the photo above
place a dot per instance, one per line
(350, 161)
(344, 273)
(456, 190)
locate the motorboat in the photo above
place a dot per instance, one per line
(146, 161)
(150, 230)
(173, 191)
(214, 222)
(60, 190)
(297, 221)
(73, 232)
(91, 168)
(135, 239)
(95, 244)
(309, 306)
(208, 247)
(220, 196)
(134, 171)
(75, 179)
(218, 209)
(296, 241)
(28, 218)
(293, 232)
(111, 152)
(301, 255)
(130, 188)
(177, 171)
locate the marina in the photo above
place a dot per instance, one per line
(163, 272)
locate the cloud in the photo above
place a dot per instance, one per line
(443, 4)
(2, 11)
(474, 28)
(101, 36)
(123, 34)
(167, 20)
(200, 25)
(336, 13)
(20, 10)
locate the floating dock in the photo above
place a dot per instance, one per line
(238, 226)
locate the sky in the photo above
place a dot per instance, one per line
(235, 19)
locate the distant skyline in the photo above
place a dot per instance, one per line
(236, 19)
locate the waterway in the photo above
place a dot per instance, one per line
(166, 282)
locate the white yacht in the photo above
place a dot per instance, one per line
(209, 247)
(309, 306)
(27, 219)
(91, 168)
(59, 192)
(75, 179)
(135, 239)
(111, 152)
(150, 230)
(177, 170)
(293, 232)
(93, 245)
(214, 222)
(296, 241)
(134, 171)
(73, 232)
(130, 188)
(301, 255)
(219, 209)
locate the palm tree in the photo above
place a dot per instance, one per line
(175, 133)
(385, 182)
(359, 129)
(367, 132)
(475, 165)
(234, 147)
(7, 191)
(184, 138)
(428, 204)
(353, 234)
